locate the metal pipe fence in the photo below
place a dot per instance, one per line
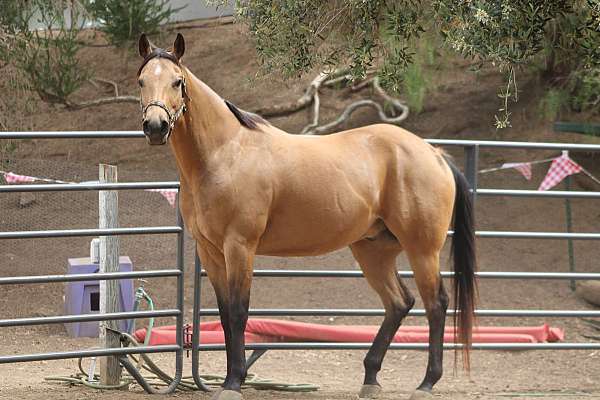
(472, 149)
(177, 273)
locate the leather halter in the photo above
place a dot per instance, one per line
(173, 116)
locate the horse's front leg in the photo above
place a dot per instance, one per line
(239, 256)
(214, 264)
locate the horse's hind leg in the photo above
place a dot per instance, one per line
(377, 258)
(425, 266)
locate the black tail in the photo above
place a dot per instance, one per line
(465, 263)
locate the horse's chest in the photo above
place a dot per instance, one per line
(207, 219)
(200, 214)
(219, 208)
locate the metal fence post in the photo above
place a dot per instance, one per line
(569, 217)
(110, 369)
(180, 302)
(196, 324)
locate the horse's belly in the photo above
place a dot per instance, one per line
(321, 243)
(314, 232)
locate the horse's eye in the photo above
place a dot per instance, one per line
(177, 83)
(141, 83)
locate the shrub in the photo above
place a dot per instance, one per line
(47, 57)
(124, 21)
(552, 103)
(585, 90)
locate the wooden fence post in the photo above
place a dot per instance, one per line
(110, 369)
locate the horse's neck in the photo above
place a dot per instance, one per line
(206, 125)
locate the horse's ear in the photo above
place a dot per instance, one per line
(179, 46)
(145, 46)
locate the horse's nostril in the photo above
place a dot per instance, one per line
(164, 127)
(146, 126)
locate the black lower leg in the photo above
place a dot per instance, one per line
(224, 315)
(385, 335)
(437, 322)
(238, 317)
(376, 353)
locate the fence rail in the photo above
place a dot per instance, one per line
(295, 273)
(148, 230)
(89, 353)
(361, 312)
(472, 159)
(406, 346)
(87, 318)
(438, 142)
(20, 280)
(76, 187)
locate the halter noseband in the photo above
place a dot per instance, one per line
(173, 117)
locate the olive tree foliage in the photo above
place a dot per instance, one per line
(294, 36)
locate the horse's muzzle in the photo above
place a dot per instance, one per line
(156, 131)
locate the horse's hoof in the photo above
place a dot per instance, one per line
(421, 395)
(216, 393)
(369, 392)
(230, 395)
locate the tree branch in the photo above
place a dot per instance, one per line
(311, 96)
(307, 98)
(208, 23)
(108, 82)
(103, 101)
(315, 113)
(314, 128)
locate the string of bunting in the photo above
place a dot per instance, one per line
(11, 178)
(560, 167)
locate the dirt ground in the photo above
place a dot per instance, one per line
(461, 105)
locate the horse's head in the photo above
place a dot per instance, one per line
(163, 91)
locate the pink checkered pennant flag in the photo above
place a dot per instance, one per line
(523, 168)
(560, 168)
(169, 194)
(12, 178)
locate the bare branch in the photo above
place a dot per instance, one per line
(335, 81)
(103, 101)
(361, 85)
(208, 23)
(108, 82)
(320, 130)
(397, 105)
(315, 113)
(302, 102)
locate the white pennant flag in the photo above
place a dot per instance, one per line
(523, 168)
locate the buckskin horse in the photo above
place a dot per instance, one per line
(250, 188)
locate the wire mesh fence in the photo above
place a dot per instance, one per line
(74, 210)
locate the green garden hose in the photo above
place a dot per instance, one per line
(160, 377)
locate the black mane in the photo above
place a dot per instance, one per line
(247, 119)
